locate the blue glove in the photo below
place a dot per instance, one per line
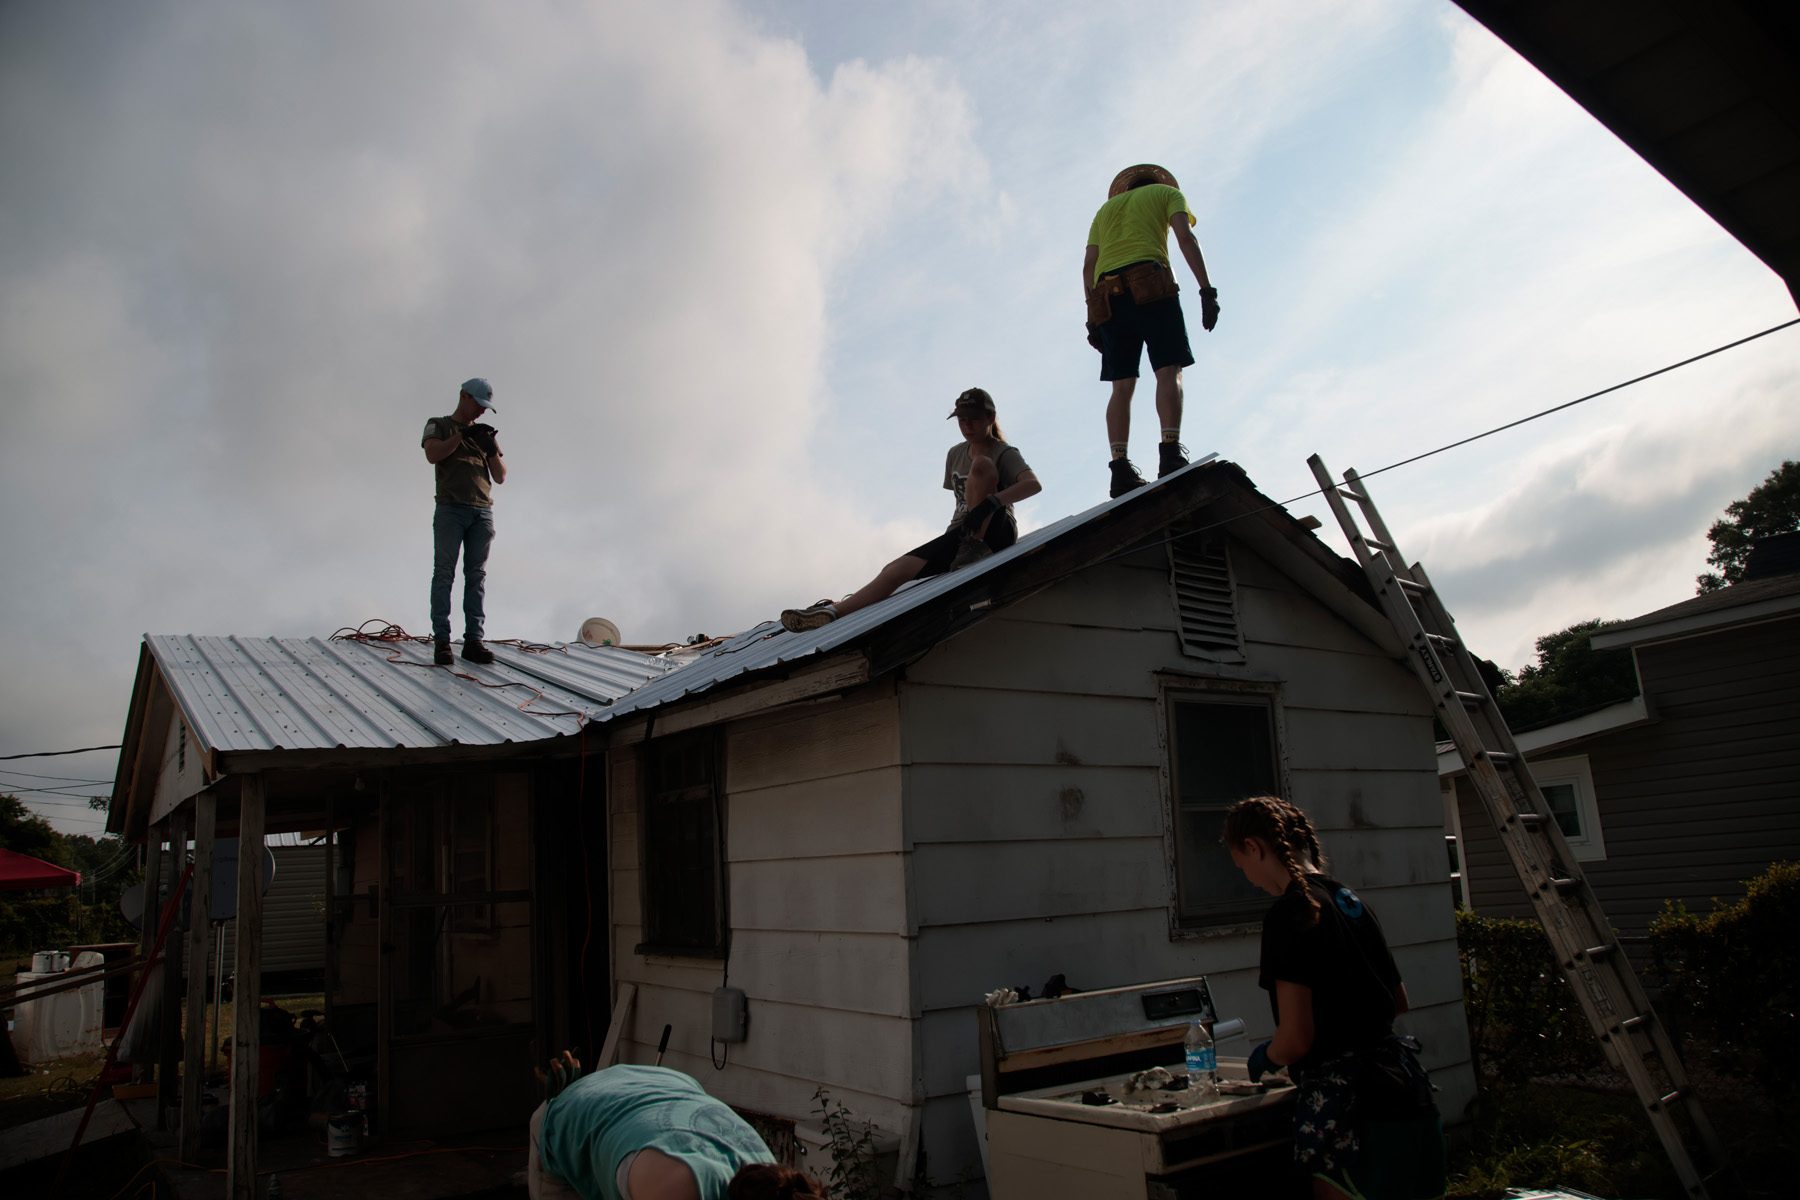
(1261, 1064)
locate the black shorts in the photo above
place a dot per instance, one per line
(1159, 326)
(1002, 531)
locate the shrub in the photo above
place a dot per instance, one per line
(1524, 1021)
(1731, 979)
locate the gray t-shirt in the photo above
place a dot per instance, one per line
(1007, 461)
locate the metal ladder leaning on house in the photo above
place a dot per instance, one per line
(1591, 957)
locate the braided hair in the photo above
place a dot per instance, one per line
(767, 1181)
(1287, 830)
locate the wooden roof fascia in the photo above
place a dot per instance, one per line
(1691, 625)
(846, 669)
(118, 808)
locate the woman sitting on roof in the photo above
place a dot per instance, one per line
(988, 477)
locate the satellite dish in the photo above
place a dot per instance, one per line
(598, 631)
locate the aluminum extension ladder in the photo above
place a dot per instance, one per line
(1592, 960)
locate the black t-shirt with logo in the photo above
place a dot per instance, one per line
(1343, 958)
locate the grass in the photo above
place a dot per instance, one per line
(49, 1088)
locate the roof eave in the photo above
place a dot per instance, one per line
(1669, 629)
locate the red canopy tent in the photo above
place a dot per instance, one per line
(21, 872)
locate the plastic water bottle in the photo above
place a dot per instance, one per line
(1202, 1059)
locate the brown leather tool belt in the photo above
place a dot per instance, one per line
(1144, 282)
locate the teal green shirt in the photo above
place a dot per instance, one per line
(603, 1117)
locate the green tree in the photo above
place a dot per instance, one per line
(85, 914)
(1773, 506)
(1569, 678)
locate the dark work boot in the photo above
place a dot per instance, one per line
(1125, 477)
(440, 653)
(1170, 458)
(475, 652)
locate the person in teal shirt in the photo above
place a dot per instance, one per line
(650, 1133)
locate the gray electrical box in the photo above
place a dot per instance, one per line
(731, 1017)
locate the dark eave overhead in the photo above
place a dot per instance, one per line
(1707, 91)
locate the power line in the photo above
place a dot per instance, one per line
(56, 753)
(50, 791)
(1281, 506)
(64, 778)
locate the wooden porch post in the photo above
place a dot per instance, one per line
(384, 965)
(246, 1040)
(141, 1063)
(167, 1089)
(206, 820)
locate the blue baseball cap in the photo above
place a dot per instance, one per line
(480, 391)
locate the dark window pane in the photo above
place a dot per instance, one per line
(1561, 799)
(682, 889)
(1224, 752)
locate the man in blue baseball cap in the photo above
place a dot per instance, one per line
(468, 462)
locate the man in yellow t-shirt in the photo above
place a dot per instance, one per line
(1133, 306)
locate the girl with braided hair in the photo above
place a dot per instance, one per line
(1365, 1125)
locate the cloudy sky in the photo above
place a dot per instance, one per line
(727, 262)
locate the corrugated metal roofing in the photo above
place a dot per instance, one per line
(769, 645)
(244, 694)
(260, 694)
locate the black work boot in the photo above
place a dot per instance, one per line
(440, 653)
(1170, 457)
(1125, 477)
(475, 652)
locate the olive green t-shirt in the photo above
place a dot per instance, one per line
(462, 476)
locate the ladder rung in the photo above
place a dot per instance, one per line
(1504, 757)
(1598, 953)
(1378, 544)
(1565, 885)
(1412, 585)
(1529, 820)
(1343, 489)
(1634, 1022)
(1472, 699)
(1672, 1097)
(1442, 639)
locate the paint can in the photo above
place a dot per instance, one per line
(343, 1134)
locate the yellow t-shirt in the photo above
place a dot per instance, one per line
(1134, 226)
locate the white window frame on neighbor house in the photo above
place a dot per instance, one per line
(1574, 772)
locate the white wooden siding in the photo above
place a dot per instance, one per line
(818, 908)
(1036, 813)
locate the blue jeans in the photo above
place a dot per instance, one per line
(469, 530)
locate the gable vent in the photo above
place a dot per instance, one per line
(1205, 607)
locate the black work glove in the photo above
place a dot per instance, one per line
(1094, 337)
(979, 513)
(482, 437)
(1209, 308)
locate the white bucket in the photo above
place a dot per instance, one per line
(43, 962)
(343, 1134)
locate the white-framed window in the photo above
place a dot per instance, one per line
(1568, 788)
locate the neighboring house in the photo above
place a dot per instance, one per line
(1682, 792)
(997, 775)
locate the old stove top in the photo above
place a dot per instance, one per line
(1114, 1101)
(1063, 1119)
